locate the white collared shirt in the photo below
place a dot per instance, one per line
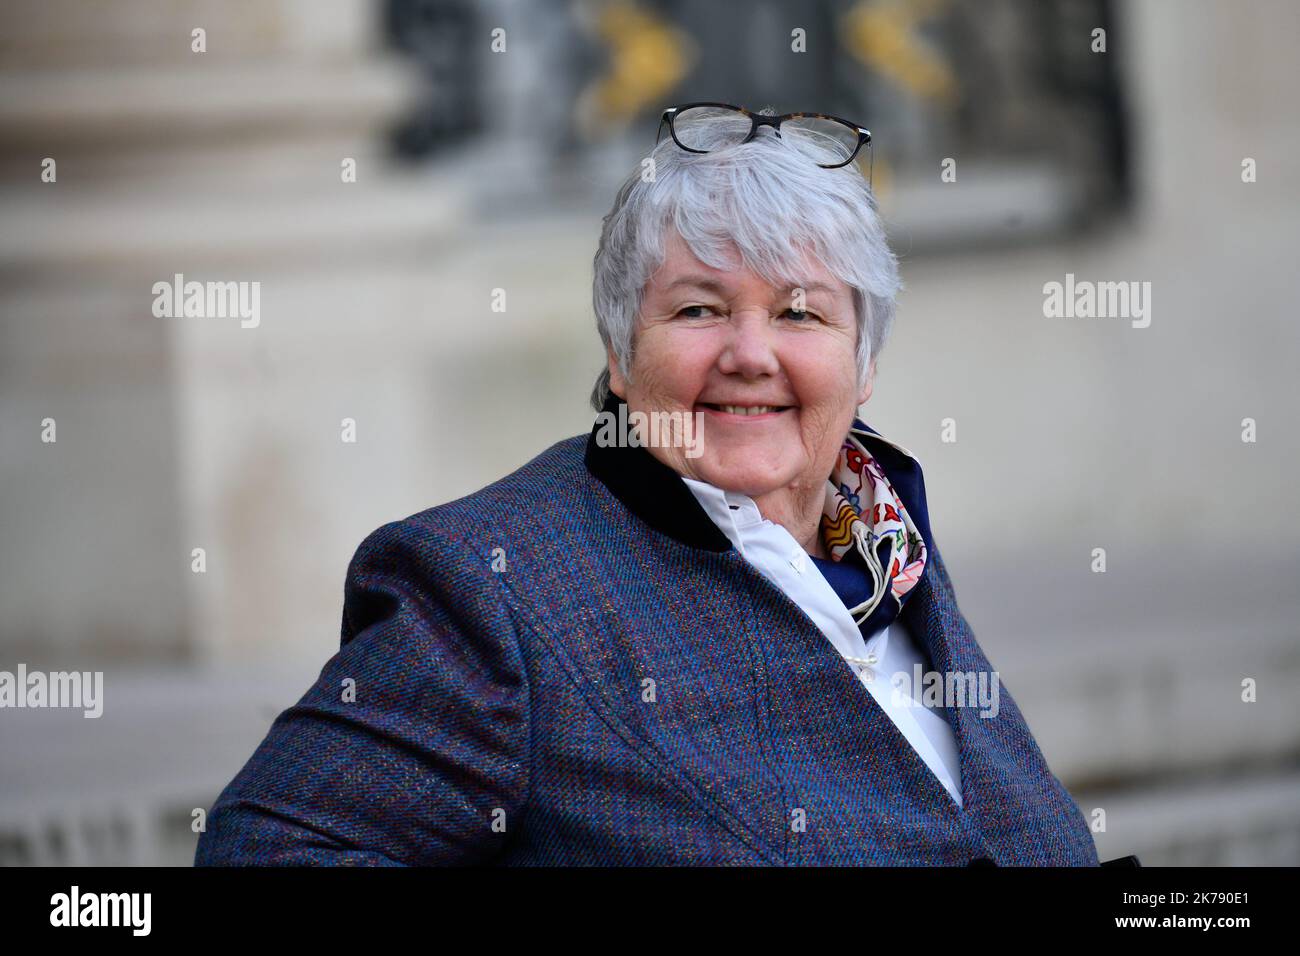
(779, 558)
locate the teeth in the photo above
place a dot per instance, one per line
(748, 409)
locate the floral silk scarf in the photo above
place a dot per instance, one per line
(864, 514)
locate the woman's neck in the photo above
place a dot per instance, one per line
(798, 509)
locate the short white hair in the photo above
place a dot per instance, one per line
(768, 197)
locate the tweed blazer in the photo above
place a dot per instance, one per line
(574, 666)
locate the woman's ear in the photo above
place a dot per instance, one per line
(617, 384)
(871, 381)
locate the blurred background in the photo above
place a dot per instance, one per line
(481, 168)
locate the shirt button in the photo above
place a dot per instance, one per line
(868, 675)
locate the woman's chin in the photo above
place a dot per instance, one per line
(747, 479)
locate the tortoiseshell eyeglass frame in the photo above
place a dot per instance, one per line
(762, 119)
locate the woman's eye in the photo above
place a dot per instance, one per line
(683, 312)
(799, 314)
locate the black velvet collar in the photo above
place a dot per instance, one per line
(651, 490)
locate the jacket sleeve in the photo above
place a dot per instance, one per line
(412, 746)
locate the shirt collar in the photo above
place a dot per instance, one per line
(696, 515)
(731, 511)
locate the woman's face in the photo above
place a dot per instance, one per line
(777, 389)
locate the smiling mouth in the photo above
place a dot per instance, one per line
(745, 411)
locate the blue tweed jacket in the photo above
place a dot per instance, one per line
(574, 666)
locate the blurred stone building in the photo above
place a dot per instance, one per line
(478, 170)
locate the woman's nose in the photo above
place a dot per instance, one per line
(750, 350)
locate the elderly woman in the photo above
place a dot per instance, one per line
(736, 644)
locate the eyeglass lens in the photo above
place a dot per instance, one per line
(698, 126)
